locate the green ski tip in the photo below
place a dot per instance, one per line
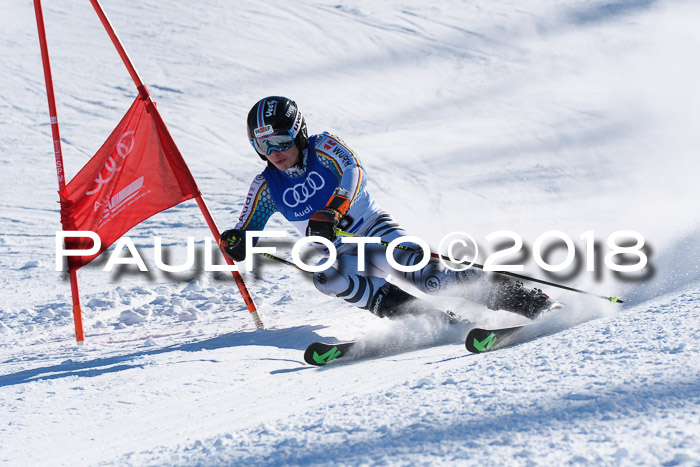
(486, 343)
(327, 357)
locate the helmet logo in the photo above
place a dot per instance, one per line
(263, 131)
(271, 109)
(297, 124)
(289, 111)
(301, 192)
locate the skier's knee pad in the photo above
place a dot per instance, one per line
(330, 281)
(435, 278)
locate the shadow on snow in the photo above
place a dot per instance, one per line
(295, 338)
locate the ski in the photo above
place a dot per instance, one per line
(480, 340)
(320, 353)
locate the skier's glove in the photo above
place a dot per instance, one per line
(233, 243)
(322, 223)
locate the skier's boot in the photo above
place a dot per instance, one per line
(392, 302)
(513, 297)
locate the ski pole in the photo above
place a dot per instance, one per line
(283, 261)
(342, 233)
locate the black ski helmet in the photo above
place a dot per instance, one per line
(274, 118)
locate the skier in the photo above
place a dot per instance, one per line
(318, 184)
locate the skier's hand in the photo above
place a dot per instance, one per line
(322, 223)
(233, 243)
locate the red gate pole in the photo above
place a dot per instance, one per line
(60, 172)
(158, 120)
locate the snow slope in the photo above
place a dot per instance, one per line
(482, 116)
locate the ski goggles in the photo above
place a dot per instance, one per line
(266, 140)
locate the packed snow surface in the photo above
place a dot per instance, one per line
(528, 116)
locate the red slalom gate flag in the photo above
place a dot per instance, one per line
(138, 172)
